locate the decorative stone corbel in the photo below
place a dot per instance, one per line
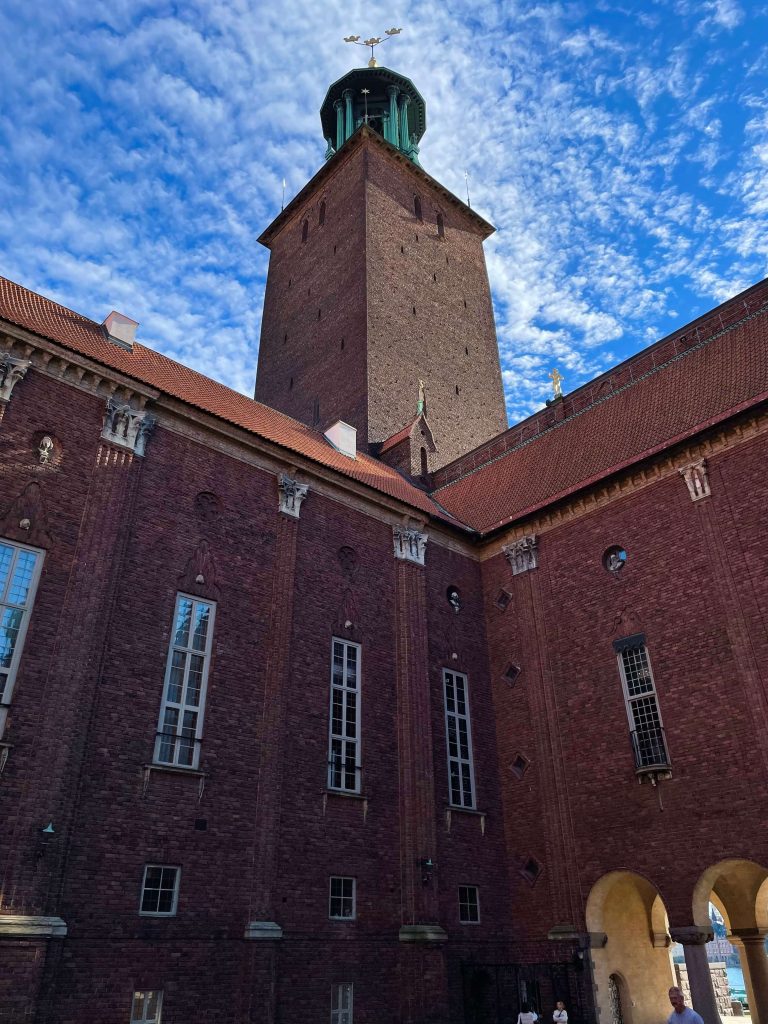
(522, 554)
(696, 479)
(12, 370)
(410, 544)
(292, 493)
(127, 427)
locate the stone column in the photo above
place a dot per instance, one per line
(393, 92)
(693, 940)
(349, 120)
(338, 106)
(405, 135)
(750, 943)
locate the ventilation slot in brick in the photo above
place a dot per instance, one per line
(520, 766)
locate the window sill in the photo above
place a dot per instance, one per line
(175, 769)
(346, 794)
(465, 810)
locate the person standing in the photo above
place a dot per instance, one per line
(526, 1015)
(560, 1014)
(681, 1014)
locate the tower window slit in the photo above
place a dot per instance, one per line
(321, 217)
(304, 231)
(440, 225)
(417, 207)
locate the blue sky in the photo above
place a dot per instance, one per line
(621, 149)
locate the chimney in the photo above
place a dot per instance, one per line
(121, 330)
(343, 437)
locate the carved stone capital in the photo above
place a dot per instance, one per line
(12, 370)
(127, 427)
(522, 554)
(696, 479)
(410, 544)
(292, 493)
(692, 935)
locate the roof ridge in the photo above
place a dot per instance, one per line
(53, 302)
(606, 398)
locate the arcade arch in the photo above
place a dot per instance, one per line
(739, 890)
(629, 930)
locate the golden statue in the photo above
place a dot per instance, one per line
(422, 399)
(557, 382)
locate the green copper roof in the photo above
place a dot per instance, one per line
(376, 108)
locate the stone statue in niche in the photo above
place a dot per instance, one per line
(454, 600)
(45, 450)
(199, 574)
(26, 519)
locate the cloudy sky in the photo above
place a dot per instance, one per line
(621, 149)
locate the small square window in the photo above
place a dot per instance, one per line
(341, 901)
(469, 904)
(502, 600)
(520, 765)
(146, 1007)
(159, 890)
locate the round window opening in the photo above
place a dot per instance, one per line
(614, 559)
(454, 600)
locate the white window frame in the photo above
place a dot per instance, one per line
(177, 880)
(458, 758)
(339, 743)
(341, 1014)
(353, 898)
(11, 672)
(630, 700)
(467, 903)
(181, 705)
(145, 995)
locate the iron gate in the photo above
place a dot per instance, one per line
(494, 993)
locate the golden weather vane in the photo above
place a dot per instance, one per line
(373, 41)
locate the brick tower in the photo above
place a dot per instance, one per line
(377, 305)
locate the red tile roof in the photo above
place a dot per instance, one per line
(79, 334)
(702, 374)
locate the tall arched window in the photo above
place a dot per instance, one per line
(304, 230)
(417, 207)
(424, 463)
(321, 218)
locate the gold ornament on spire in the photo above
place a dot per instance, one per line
(557, 382)
(373, 41)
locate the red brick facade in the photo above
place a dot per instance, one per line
(255, 829)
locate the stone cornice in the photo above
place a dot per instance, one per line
(88, 376)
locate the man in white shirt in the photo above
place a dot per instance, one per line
(681, 1014)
